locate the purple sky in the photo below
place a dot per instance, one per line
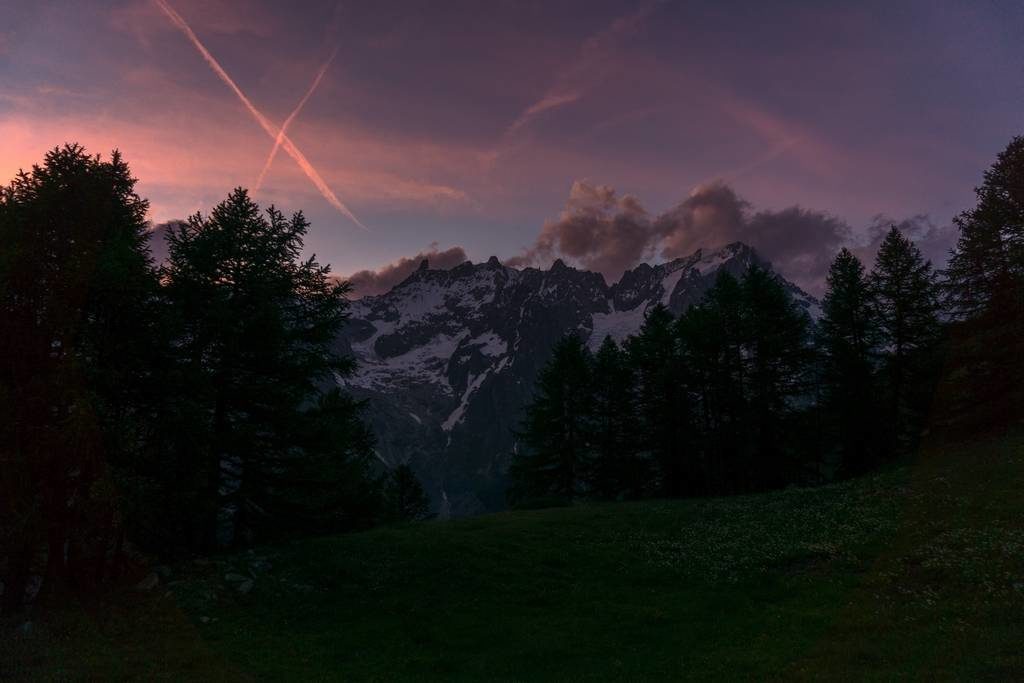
(475, 125)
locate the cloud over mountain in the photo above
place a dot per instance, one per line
(599, 229)
(609, 233)
(370, 282)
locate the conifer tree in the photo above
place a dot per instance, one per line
(76, 296)
(554, 449)
(985, 291)
(905, 293)
(746, 351)
(616, 468)
(325, 482)
(663, 409)
(777, 357)
(404, 498)
(255, 346)
(701, 354)
(989, 255)
(848, 335)
(712, 343)
(979, 267)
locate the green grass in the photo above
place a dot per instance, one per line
(917, 571)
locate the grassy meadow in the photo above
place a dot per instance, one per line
(914, 571)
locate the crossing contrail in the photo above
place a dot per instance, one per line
(291, 117)
(286, 142)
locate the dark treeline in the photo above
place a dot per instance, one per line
(743, 392)
(172, 409)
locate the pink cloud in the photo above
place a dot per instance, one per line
(784, 136)
(221, 17)
(584, 72)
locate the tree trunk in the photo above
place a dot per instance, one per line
(56, 568)
(213, 464)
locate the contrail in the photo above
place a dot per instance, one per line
(288, 145)
(291, 117)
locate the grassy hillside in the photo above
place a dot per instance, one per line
(918, 570)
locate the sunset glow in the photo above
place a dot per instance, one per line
(468, 128)
(278, 136)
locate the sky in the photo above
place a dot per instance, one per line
(602, 132)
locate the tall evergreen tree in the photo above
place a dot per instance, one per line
(404, 498)
(849, 337)
(746, 352)
(663, 406)
(989, 255)
(325, 481)
(979, 267)
(255, 349)
(712, 342)
(554, 437)
(777, 356)
(906, 298)
(616, 466)
(76, 295)
(985, 290)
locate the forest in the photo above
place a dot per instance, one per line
(168, 410)
(744, 392)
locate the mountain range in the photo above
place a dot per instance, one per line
(447, 359)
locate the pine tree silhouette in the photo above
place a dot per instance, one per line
(616, 467)
(404, 498)
(985, 293)
(555, 439)
(256, 341)
(849, 338)
(76, 334)
(906, 298)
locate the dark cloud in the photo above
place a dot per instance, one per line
(712, 215)
(608, 233)
(369, 282)
(599, 229)
(800, 243)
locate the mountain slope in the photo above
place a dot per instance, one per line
(448, 358)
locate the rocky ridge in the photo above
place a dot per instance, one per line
(448, 358)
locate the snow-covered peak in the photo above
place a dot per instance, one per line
(448, 357)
